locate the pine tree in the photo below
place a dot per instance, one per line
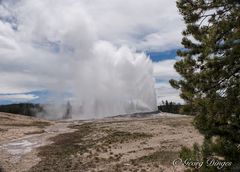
(210, 70)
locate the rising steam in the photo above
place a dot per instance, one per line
(57, 47)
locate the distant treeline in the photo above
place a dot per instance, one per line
(170, 107)
(30, 109)
(27, 109)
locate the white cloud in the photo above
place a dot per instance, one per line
(160, 41)
(164, 70)
(18, 97)
(165, 92)
(145, 24)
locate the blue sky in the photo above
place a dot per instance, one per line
(165, 55)
(38, 51)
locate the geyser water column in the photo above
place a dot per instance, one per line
(57, 46)
(114, 81)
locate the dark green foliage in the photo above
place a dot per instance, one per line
(204, 154)
(210, 70)
(170, 107)
(27, 109)
(164, 157)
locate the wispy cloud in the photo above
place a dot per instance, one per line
(164, 70)
(145, 24)
(165, 92)
(18, 97)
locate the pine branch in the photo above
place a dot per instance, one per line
(220, 82)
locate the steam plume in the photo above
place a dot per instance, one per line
(57, 48)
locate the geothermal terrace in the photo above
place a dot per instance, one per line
(123, 143)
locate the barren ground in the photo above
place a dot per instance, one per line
(107, 145)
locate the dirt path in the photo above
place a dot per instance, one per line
(20, 154)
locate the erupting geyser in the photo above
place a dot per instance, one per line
(114, 81)
(69, 59)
